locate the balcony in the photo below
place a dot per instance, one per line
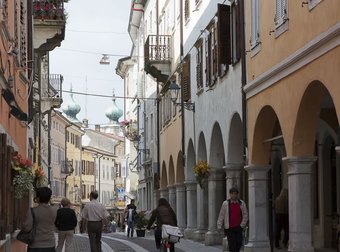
(157, 56)
(51, 91)
(49, 24)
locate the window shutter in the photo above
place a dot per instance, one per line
(207, 61)
(238, 31)
(223, 32)
(186, 80)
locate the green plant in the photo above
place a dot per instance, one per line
(140, 220)
(201, 171)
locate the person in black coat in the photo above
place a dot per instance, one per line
(65, 221)
(130, 213)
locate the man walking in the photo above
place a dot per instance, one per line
(234, 216)
(130, 213)
(96, 215)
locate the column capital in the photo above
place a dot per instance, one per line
(300, 165)
(257, 172)
(337, 149)
(216, 174)
(190, 182)
(233, 167)
(191, 185)
(180, 187)
(172, 188)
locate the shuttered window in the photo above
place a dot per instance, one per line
(199, 65)
(207, 61)
(235, 32)
(281, 14)
(214, 53)
(254, 25)
(223, 31)
(186, 10)
(186, 79)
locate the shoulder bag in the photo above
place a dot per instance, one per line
(27, 237)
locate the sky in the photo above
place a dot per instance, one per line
(93, 28)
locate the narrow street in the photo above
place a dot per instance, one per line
(118, 242)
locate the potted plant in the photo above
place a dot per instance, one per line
(140, 223)
(201, 171)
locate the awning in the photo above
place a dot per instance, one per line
(130, 195)
(15, 110)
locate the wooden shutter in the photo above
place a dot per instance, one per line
(3, 165)
(207, 61)
(238, 32)
(223, 31)
(186, 80)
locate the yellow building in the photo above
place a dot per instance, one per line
(293, 103)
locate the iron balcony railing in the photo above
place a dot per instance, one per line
(157, 48)
(49, 9)
(55, 84)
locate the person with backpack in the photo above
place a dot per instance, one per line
(233, 218)
(163, 214)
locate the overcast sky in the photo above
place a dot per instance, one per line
(93, 28)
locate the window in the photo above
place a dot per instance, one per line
(186, 79)
(186, 10)
(254, 24)
(151, 127)
(281, 14)
(235, 32)
(199, 65)
(211, 56)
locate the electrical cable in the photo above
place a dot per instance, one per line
(109, 96)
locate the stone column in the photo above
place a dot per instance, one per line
(156, 196)
(164, 193)
(258, 209)
(172, 197)
(300, 171)
(181, 206)
(233, 179)
(215, 199)
(191, 208)
(202, 212)
(337, 149)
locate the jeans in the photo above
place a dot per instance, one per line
(130, 228)
(234, 236)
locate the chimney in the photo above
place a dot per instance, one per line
(85, 123)
(97, 127)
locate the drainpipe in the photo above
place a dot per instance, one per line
(66, 161)
(182, 89)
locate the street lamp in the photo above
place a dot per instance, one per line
(105, 60)
(174, 89)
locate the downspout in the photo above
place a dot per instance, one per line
(158, 121)
(66, 161)
(182, 89)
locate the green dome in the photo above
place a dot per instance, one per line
(114, 113)
(72, 109)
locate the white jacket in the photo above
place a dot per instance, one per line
(224, 215)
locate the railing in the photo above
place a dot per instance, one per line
(157, 48)
(49, 9)
(55, 82)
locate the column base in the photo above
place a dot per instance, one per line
(199, 235)
(189, 233)
(213, 237)
(300, 247)
(225, 245)
(257, 246)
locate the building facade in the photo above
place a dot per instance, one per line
(293, 119)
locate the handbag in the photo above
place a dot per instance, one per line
(171, 233)
(27, 237)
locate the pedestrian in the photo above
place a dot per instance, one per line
(234, 216)
(66, 222)
(96, 216)
(130, 214)
(163, 214)
(281, 218)
(45, 215)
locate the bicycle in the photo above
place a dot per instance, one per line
(170, 236)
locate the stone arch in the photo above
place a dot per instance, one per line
(164, 177)
(171, 171)
(191, 161)
(216, 158)
(235, 143)
(179, 169)
(316, 103)
(202, 148)
(267, 126)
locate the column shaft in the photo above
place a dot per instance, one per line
(191, 190)
(181, 206)
(172, 196)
